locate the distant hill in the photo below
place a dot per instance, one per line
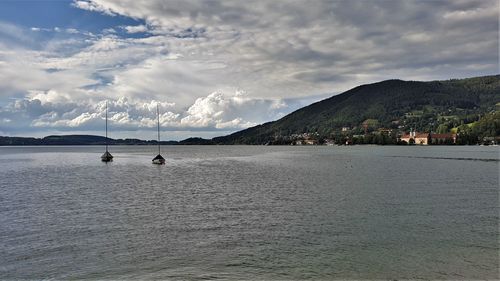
(393, 104)
(77, 140)
(196, 141)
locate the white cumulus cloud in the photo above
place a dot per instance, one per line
(135, 28)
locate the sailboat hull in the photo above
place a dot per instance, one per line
(159, 161)
(107, 157)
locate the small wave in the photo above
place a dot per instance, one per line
(450, 158)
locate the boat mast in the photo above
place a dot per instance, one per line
(158, 115)
(106, 126)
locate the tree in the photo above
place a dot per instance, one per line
(442, 128)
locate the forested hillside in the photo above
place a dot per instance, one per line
(395, 105)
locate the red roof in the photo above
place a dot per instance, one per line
(443, 136)
(421, 135)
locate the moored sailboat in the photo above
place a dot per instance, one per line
(107, 157)
(158, 158)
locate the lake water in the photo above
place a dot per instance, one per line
(250, 213)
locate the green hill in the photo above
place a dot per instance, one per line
(393, 104)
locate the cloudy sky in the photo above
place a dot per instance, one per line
(216, 67)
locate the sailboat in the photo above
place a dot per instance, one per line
(106, 157)
(158, 159)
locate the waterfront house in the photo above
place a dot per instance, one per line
(443, 138)
(417, 137)
(385, 131)
(310, 141)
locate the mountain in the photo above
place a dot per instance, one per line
(393, 104)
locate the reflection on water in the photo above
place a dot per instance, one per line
(249, 212)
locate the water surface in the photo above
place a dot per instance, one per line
(249, 212)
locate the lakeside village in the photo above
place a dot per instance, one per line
(381, 136)
(384, 136)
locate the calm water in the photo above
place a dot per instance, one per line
(250, 212)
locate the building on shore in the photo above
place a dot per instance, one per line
(417, 137)
(385, 131)
(428, 138)
(443, 138)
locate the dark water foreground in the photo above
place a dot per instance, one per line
(250, 212)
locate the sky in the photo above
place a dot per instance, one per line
(216, 67)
